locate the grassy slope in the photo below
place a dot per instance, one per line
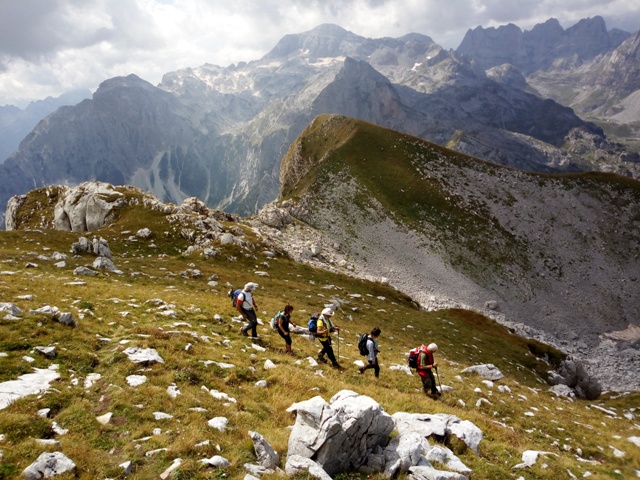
(465, 338)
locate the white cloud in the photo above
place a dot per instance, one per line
(47, 48)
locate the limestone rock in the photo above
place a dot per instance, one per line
(85, 272)
(10, 308)
(339, 435)
(297, 464)
(86, 207)
(216, 461)
(576, 376)
(267, 456)
(145, 356)
(49, 465)
(488, 371)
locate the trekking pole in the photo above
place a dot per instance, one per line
(441, 391)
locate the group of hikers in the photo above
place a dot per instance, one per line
(245, 303)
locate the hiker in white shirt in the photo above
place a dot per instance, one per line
(246, 305)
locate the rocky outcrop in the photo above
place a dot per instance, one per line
(574, 375)
(352, 432)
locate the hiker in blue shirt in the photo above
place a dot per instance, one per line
(372, 356)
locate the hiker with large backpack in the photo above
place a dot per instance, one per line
(281, 322)
(324, 328)
(246, 305)
(425, 367)
(371, 348)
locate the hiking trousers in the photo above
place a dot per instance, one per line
(374, 365)
(328, 350)
(429, 382)
(253, 322)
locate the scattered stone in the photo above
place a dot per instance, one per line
(49, 465)
(66, 318)
(27, 384)
(10, 308)
(44, 412)
(269, 365)
(136, 380)
(167, 473)
(267, 456)
(104, 419)
(488, 371)
(86, 272)
(219, 423)
(161, 416)
(49, 352)
(144, 356)
(104, 263)
(143, 233)
(216, 461)
(173, 390)
(127, 468)
(530, 457)
(261, 384)
(91, 379)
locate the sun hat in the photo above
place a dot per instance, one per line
(251, 286)
(432, 347)
(327, 311)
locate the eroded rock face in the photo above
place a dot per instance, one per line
(339, 435)
(86, 207)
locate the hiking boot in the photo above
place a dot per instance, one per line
(361, 370)
(244, 332)
(337, 366)
(436, 394)
(321, 359)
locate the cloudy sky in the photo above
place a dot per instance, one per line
(48, 47)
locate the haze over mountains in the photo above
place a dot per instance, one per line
(219, 133)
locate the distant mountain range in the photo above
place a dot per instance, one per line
(16, 123)
(219, 133)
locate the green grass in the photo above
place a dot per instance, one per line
(117, 307)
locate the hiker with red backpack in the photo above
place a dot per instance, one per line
(425, 366)
(372, 352)
(246, 305)
(323, 333)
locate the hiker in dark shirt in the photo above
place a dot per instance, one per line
(372, 356)
(284, 320)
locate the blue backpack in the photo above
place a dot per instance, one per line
(233, 295)
(313, 323)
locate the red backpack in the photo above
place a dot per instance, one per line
(413, 357)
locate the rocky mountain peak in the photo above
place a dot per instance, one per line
(326, 40)
(538, 48)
